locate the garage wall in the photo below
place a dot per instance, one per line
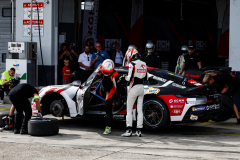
(5, 31)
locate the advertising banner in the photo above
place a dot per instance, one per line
(90, 19)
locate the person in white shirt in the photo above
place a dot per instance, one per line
(84, 62)
(117, 56)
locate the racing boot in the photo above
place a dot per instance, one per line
(138, 133)
(107, 130)
(8, 121)
(128, 133)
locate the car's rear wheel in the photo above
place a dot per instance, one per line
(155, 114)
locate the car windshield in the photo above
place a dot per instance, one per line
(90, 78)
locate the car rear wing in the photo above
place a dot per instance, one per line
(206, 88)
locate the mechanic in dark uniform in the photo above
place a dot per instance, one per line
(227, 85)
(151, 58)
(191, 60)
(19, 97)
(108, 88)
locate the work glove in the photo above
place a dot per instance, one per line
(39, 115)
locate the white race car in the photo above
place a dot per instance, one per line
(168, 98)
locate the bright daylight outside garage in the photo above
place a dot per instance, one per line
(122, 79)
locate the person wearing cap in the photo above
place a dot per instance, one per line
(19, 97)
(191, 60)
(181, 59)
(226, 85)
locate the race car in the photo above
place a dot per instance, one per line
(168, 98)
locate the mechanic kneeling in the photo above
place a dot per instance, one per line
(19, 97)
(108, 88)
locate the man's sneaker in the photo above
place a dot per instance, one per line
(128, 133)
(16, 131)
(1, 102)
(107, 130)
(138, 133)
(24, 131)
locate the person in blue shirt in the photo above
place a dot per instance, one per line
(99, 56)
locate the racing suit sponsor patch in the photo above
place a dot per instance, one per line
(141, 71)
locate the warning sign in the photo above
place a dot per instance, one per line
(35, 28)
(27, 11)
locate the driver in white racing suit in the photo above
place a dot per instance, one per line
(136, 74)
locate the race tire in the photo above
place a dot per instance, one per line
(155, 114)
(224, 115)
(43, 127)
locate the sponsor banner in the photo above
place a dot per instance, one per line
(27, 11)
(201, 45)
(108, 43)
(35, 27)
(20, 66)
(163, 45)
(90, 18)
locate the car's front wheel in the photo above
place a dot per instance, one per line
(155, 114)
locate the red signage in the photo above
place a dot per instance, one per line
(34, 22)
(28, 5)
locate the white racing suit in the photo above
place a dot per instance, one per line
(137, 72)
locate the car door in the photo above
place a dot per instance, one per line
(83, 95)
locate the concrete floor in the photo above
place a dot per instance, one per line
(83, 139)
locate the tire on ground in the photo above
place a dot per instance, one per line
(151, 112)
(224, 115)
(43, 127)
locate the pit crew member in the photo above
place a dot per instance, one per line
(227, 85)
(151, 58)
(19, 97)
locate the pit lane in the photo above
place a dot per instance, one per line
(83, 139)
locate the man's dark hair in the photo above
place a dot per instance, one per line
(12, 69)
(63, 44)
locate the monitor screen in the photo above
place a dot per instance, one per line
(18, 45)
(13, 45)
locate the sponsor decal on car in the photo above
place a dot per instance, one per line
(214, 106)
(176, 100)
(208, 101)
(190, 102)
(170, 100)
(193, 117)
(195, 83)
(153, 90)
(176, 106)
(178, 86)
(177, 111)
(200, 108)
(159, 79)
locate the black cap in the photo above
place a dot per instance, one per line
(191, 47)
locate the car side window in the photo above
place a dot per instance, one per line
(152, 81)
